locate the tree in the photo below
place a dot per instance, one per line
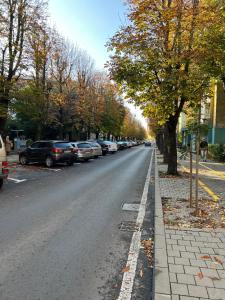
(15, 17)
(212, 44)
(155, 60)
(114, 111)
(63, 56)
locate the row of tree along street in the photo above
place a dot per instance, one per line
(165, 58)
(49, 87)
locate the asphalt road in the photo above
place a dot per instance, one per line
(60, 235)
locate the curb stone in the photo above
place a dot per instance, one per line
(162, 289)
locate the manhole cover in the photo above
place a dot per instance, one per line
(131, 207)
(129, 226)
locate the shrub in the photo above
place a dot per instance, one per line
(29, 142)
(217, 152)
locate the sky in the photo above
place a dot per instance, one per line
(90, 24)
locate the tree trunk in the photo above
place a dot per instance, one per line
(39, 132)
(172, 146)
(165, 145)
(4, 104)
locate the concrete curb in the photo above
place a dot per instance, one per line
(162, 289)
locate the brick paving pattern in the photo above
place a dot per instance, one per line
(195, 257)
(196, 261)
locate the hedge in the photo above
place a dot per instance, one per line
(217, 152)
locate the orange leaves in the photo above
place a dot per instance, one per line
(200, 275)
(218, 260)
(205, 257)
(148, 249)
(125, 269)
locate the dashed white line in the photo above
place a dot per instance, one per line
(128, 277)
(17, 180)
(55, 170)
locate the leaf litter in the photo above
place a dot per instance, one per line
(148, 246)
(178, 213)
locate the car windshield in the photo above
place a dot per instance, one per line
(62, 145)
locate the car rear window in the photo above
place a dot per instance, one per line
(45, 145)
(62, 145)
(83, 145)
(95, 145)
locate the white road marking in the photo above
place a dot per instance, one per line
(131, 207)
(17, 180)
(55, 170)
(128, 277)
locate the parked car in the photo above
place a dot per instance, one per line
(48, 152)
(111, 146)
(102, 144)
(148, 144)
(96, 148)
(3, 163)
(121, 145)
(129, 144)
(83, 149)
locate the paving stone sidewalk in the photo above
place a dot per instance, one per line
(196, 261)
(189, 263)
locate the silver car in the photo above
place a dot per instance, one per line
(112, 146)
(3, 163)
(83, 149)
(97, 149)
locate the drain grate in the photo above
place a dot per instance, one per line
(129, 226)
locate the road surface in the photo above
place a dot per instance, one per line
(63, 233)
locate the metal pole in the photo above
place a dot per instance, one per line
(191, 172)
(197, 161)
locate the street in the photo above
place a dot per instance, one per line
(63, 233)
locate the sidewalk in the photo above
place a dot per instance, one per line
(13, 158)
(190, 250)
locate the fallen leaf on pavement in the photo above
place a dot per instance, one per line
(218, 260)
(205, 257)
(200, 275)
(126, 269)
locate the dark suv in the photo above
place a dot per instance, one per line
(48, 152)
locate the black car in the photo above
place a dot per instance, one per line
(48, 152)
(148, 144)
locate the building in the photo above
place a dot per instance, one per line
(216, 121)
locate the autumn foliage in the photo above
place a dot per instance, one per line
(158, 59)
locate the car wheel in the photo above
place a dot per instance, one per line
(23, 160)
(49, 162)
(69, 163)
(86, 159)
(1, 183)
